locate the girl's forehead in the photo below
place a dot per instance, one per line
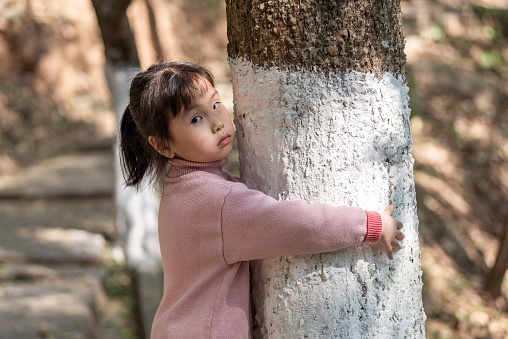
(203, 86)
(204, 89)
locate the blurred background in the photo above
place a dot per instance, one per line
(59, 274)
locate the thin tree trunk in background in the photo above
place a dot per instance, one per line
(136, 211)
(321, 109)
(119, 45)
(153, 31)
(496, 275)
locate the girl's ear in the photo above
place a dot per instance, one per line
(160, 147)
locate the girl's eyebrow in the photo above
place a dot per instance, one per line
(214, 93)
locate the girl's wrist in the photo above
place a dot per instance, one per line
(374, 226)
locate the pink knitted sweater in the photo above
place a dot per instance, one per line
(211, 225)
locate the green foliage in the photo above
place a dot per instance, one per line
(437, 33)
(120, 317)
(491, 59)
(495, 23)
(118, 280)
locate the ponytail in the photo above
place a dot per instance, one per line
(134, 151)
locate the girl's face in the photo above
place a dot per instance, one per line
(203, 133)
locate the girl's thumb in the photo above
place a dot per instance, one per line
(389, 209)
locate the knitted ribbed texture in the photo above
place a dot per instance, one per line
(374, 227)
(180, 167)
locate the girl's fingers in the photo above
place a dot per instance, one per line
(389, 252)
(399, 235)
(388, 247)
(396, 246)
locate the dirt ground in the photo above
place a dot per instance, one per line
(54, 99)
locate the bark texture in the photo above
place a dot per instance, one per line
(365, 36)
(321, 110)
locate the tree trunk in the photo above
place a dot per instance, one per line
(136, 211)
(119, 45)
(153, 31)
(321, 109)
(496, 274)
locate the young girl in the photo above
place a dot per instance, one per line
(210, 224)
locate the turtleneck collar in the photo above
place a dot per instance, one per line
(181, 167)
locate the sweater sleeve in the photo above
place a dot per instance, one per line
(256, 226)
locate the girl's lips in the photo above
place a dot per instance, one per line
(224, 140)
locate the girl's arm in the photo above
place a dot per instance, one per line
(256, 226)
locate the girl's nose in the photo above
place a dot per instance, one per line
(217, 125)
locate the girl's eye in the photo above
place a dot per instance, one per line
(216, 105)
(196, 119)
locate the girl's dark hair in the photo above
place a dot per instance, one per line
(163, 89)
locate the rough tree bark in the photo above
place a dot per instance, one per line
(136, 211)
(321, 110)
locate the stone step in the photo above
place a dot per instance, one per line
(92, 215)
(50, 245)
(64, 177)
(60, 308)
(23, 272)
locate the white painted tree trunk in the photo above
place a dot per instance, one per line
(339, 139)
(136, 211)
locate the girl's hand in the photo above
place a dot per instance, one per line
(390, 234)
